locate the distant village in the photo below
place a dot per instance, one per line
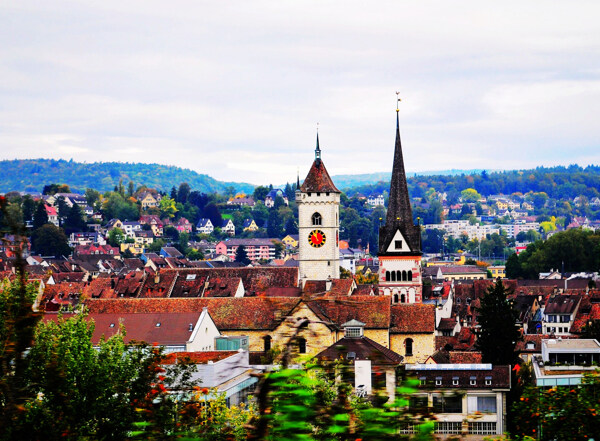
(229, 285)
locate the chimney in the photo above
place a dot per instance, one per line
(328, 284)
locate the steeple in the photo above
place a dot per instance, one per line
(318, 150)
(399, 214)
(399, 209)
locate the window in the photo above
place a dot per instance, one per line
(399, 276)
(267, 343)
(398, 244)
(395, 298)
(473, 381)
(438, 381)
(410, 276)
(482, 428)
(488, 381)
(448, 427)
(316, 219)
(408, 343)
(418, 403)
(454, 381)
(404, 277)
(565, 319)
(353, 332)
(302, 345)
(393, 276)
(486, 404)
(403, 298)
(447, 404)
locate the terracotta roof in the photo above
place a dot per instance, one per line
(363, 290)
(61, 295)
(341, 287)
(158, 286)
(446, 324)
(318, 180)
(197, 357)
(228, 313)
(465, 357)
(361, 348)
(562, 304)
(312, 287)
(162, 328)
(374, 311)
(99, 288)
(222, 286)
(412, 318)
(190, 285)
(283, 292)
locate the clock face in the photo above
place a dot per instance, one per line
(316, 238)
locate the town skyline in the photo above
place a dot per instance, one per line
(236, 91)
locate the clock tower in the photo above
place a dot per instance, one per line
(400, 239)
(318, 203)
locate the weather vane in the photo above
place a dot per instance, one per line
(398, 101)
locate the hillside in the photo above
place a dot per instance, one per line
(32, 174)
(344, 182)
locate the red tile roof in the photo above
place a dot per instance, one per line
(363, 348)
(412, 318)
(197, 357)
(318, 180)
(373, 311)
(253, 313)
(222, 286)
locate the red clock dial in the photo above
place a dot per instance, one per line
(316, 238)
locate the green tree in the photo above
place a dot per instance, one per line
(74, 220)
(89, 393)
(498, 333)
(470, 195)
(260, 193)
(49, 240)
(40, 217)
(116, 237)
(183, 193)
(28, 206)
(241, 255)
(167, 207)
(567, 413)
(52, 189)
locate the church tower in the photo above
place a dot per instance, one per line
(318, 203)
(400, 239)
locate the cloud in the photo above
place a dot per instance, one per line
(235, 90)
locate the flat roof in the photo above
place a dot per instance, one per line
(581, 344)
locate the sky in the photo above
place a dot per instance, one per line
(236, 89)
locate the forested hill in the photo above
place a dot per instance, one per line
(556, 182)
(350, 181)
(32, 174)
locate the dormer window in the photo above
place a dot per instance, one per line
(455, 381)
(473, 381)
(488, 381)
(353, 332)
(353, 329)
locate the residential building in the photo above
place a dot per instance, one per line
(256, 249)
(250, 225)
(272, 195)
(205, 226)
(52, 215)
(466, 399)
(376, 200)
(563, 362)
(559, 314)
(148, 200)
(228, 227)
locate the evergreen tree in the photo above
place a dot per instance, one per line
(275, 225)
(130, 189)
(183, 193)
(49, 240)
(75, 221)
(241, 255)
(498, 333)
(40, 217)
(174, 193)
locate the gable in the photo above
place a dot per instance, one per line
(398, 244)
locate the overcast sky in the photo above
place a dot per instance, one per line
(235, 89)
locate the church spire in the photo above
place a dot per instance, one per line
(399, 209)
(318, 149)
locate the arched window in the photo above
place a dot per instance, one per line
(408, 345)
(404, 278)
(387, 276)
(316, 219)
(302, 345)
(395, 298)
(393, 276)
(410, 276)
(403, 298)
(398, 275)
(267, 342)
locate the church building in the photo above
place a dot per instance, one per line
(318, 203)
(400, 239)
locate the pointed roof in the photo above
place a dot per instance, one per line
(399, 214)
(318, 180)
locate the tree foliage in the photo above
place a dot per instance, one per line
(50, 240)
(498, 333)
